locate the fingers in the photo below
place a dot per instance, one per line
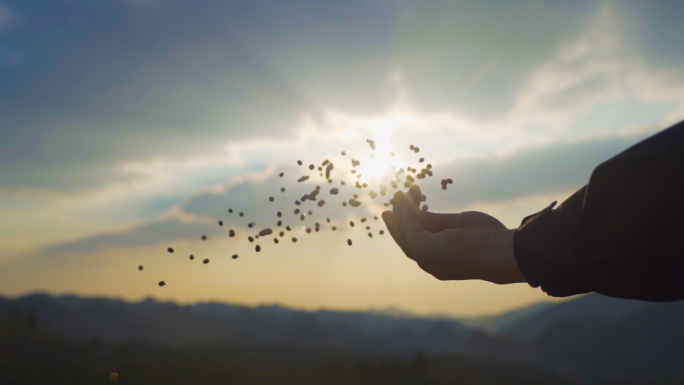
(436, 222)
(388, 217)
(398, 215)
(414, 232)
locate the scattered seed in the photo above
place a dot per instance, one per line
(162, 283)
(363, 220)
(279, 214)
(206, 261)
(321, 203)
(288, 228)
(251, 239)
(296, 211)
(301, 217)
(265, 232)
(282, 233)
(372, 144)
(257, 248)
(251, 224)
(231, 233)
(170, 250)
(235, 256)
(370, 235)
(140, 267)
(354, 203)
(334, 228)
(242, 213)
(294, 239)
(344, 153)
(271, 199)
(220, 223)
(204, 237)
(424, 208)
(308, 230)
(230, 210)
(349, 242)
(282, 174)
(373, 194)
(299, 162)
(282, 189)
(381, 232)
(280, 223)
(302, 179)
(275, 240)
(421, 160)
(351, 223)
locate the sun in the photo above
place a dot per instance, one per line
(377, 166)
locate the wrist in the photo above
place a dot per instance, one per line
(499, 263)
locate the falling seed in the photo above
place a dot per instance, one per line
(256, 236)
(376, 217)
(279, 214)
(423, 198)
(280, 223)
(363, 220)
(282, 233)
(394, 184)
(450, 181)
(365, 185)
(367, 227)
(354, 203)
(242, 213)
(251, 224)
(424, 208)
(231, 233)
(334, 228)
(204, 237)
(321, 203)
(344, 204)
(372, 144)
(140, 267)
(416, 150)
(349, 242)
(334, 191)
(411, 147)
(327, 220)
(282, 189)
(381, 232)
(302, 179)
(373, 194)
(170, 250)
(328, 169)
(370, 235)
(308, 230)
(192, 257)
(275, 240)
(344, 153)
(235, 256)
(299, 162)
(311, 167)
(429, 166)
(206, 260)
(301, 217)
(271, 199)
(220, 223)
(294, 239)
(288, 228)
(342, 183)
(162, 283)
(421, 160)
(386, 204)
(298, 203)
(265, 232)
(281, 174)
(257, 248)
(296, 211)
(310, 212)
(351, 223)
(230, 211)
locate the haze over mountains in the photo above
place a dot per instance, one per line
(589, 338)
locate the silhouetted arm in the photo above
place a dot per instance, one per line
(621, 235)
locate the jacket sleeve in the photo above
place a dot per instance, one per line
(621, 235)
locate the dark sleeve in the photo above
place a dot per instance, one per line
(621, 235)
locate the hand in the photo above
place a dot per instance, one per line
(468, 245)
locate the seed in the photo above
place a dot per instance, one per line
(298, 203)
(230, 210)
(206, 261)
(370, 235)
(321, 203)
(411, 147)
(170, 250)
(421, 160)
(220, 223)
(429, 166)
(265, 232)
(308, 230)
(296, 211)
(344, 152)
(281, 174)
(344, 204)
(235, 256)
(282, 189)
(373, 194)
(282, 233)
(310, 212)
(349, 242)
(140, 267)
(299, 162)
(271, 199)
(311, 167)
(280, 223)
(386, 204)
(394, 184)
(257, 248)
(365, 185)
(301, 217)
(328, 169)
(256, 236)
(251, 239)
(162, 283)
(334, 191)
(327, 220)
(334, 228)
(231, 232)
(204, 237)
(279, 214)
(424, 208)
(367, 227)
(294, 239)
(450, 181)
(351, 223)
(251, 224)
(372, 144)
(376, 217)
(416, 149)
(381, 232)
(342, 183)
(363, 220)
(275, 240)
(288, 228)
(242, 213)
(354, 203)
(302, 179)
(355, 163)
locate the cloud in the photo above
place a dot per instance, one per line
(8, 19)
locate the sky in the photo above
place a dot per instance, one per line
(129, 126)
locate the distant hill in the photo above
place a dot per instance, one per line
(496, 323)
(593, 306)
(167, 323)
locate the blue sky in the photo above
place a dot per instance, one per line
(130, 125)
